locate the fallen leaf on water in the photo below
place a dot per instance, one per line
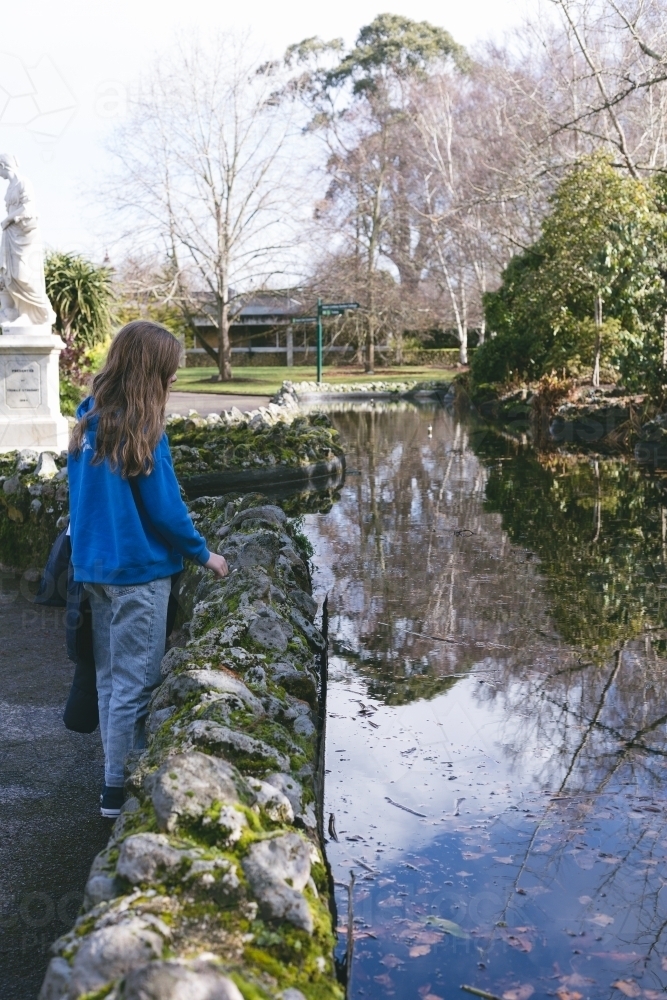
(448, 926)
(576, 980)
(432, 996)
(418, 950)
(568, 995)
(471, 856)
(391, 961)
(519, 992)
(384, 980)
(518, 941)
(602, 919)
(464, 874)
(585, 900)
(654, 994)
(628, 987)
(584, 859)
(422, 936)
(609, 859)
(664, 964)
(505, 861)
(391, 901)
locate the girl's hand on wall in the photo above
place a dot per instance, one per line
(218, 565)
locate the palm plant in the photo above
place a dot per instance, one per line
(81, 294)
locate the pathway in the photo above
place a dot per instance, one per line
(50, 827)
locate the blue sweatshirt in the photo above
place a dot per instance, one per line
(123, 534)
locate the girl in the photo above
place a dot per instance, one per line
(129, 530)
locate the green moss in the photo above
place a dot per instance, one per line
(98, 994)
(248, 990)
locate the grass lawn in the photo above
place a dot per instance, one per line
(265, 381)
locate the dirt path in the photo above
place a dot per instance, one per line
(50, 827)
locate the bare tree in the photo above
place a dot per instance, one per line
(205, 178)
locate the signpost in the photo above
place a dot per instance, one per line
(325, 309)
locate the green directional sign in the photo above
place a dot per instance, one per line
(324, 309)
(338, 308)
(328, 309)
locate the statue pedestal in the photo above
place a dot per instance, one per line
(29, 391)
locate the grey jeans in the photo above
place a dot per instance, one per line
(129, 626)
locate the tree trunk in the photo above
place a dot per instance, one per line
(290, 347)
(463, 333)
(463, 345)
(369, 360)
(598, 340)
(664, 340)
(224, 346)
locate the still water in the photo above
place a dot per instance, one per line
(496, 737)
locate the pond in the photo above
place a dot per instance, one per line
(496, 748)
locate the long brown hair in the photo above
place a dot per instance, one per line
(130, 395)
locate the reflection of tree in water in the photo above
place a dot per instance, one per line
(547, 575)
(598, 528)
(416, 555)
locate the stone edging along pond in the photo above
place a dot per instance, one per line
(214, 884)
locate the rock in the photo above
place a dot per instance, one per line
(156, 719)
(299, 683)
(174, 658)
(173, 981)
(144, 854)
(304, 602)
(289, 787)
(236, 744)
(307, 818)
(268, 865)
(265, 514)
(27, 459)
(11, 485)
(179, 687)
(46, 466)
(269, 798)
(303, 726)
(232, 822)
(187, 785)
(56, 981)
(291, 993)
(313, 635)
(270, 631)
(99, 889)
(108, 953)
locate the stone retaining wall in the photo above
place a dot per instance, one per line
(213, 885)
(244, 451)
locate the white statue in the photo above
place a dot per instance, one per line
(23, 299)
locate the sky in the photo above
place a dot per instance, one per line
(65, 68)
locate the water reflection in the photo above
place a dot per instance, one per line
(497, 707)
